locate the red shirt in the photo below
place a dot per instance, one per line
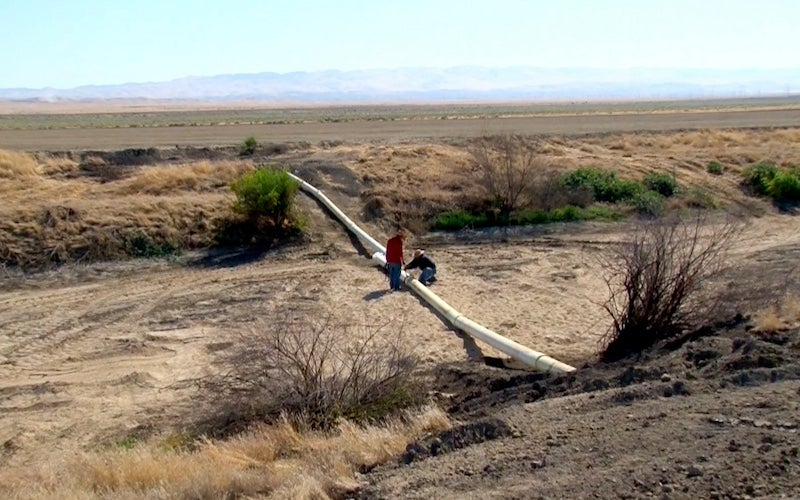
(394, 250)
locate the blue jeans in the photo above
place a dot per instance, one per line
(427, 274)
(394, 275)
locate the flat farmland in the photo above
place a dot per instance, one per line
(402, 129)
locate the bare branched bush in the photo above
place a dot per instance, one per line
(548, 192)
(506, 167)
(659, 281)
(319, 370)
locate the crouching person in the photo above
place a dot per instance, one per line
(426, 264)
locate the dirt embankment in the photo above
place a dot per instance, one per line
(713, 415)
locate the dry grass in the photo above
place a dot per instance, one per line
(49, 217)
(15, 165)
(405, 183)
(56, 165)
(735, 149)
(784, 315)
(277, 461)
(768, 321)
(170, 179)
(409, 184)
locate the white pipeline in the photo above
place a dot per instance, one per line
(529, 357)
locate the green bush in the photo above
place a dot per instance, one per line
(459, 219)
(603, 184)
(266, 193)
(566, 214)
(248, 146)
(759, 177)
(715, 168)
(785, 186)
(649, 203)
(663, 184)
(765, 179)
(140, 244)
(534, 216)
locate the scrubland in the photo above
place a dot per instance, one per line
(120, 303)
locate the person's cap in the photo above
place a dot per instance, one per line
(418, 252)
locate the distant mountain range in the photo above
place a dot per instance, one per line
(439, 85)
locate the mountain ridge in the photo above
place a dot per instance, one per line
(438, 84)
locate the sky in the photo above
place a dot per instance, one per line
(64, 44)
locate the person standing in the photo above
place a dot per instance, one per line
(426, 264)
(395, 259)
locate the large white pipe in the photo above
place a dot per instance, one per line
(527, 356)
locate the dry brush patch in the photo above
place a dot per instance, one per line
(163, 180)
(15, 165)
(687, 154)
(316, 368)
(50, 218)
(781, 316)
(268, 461)
(311, 370)
(409, 184)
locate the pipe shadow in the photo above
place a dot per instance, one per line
(220, 258)
(360, 248)
(471, 348)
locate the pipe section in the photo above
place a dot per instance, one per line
(529, 357)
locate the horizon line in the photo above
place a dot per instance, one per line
(413, 68)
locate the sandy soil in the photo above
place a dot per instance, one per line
(93, 353)
(90, 354)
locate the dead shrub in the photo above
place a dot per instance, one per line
(317, 370)
(506, 167)
(274, 148)
(658, 281)
(374, 207)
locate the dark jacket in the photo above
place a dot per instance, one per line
(422, 262)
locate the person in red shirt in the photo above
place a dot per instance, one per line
(395, 259)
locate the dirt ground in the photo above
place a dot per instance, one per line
(391, 131)
(91, 354)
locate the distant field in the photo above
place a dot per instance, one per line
(207, 127)
(46, 116)
(108, 125)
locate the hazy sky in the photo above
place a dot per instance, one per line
(63, 44)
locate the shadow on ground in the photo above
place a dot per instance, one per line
(222, 258)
